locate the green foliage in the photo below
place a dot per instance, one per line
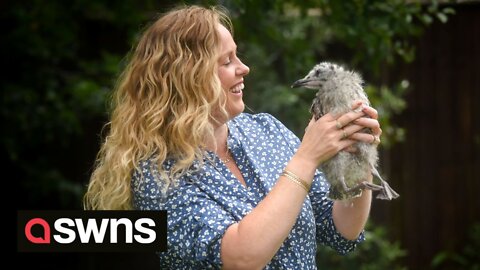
(376, 253)
(468, 258)
(389, 102)
(282, 40)
(63, 56)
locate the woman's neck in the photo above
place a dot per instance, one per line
(219, 142)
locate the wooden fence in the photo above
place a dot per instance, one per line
(436, 169)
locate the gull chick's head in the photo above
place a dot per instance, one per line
(320, 74)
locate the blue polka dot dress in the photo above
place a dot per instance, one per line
(206, 202)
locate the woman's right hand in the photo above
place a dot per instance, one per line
(328, 135)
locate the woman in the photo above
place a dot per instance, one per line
(241, 190)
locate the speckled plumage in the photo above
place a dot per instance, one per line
(346, 172)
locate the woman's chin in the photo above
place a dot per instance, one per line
(235, 110)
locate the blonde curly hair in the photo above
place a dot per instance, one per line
(164, 104)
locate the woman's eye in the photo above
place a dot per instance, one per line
(227, 62)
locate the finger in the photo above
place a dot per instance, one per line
(343, 134)
(365, 137)
(367, 122)
(356, 104)
(371, 112)
(348, 117)
(338, 124)
(349, 130)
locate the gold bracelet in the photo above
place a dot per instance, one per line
(303, 182)
(297, 180)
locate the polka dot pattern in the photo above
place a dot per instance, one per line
(210, 199)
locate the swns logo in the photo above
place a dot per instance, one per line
(91, 231)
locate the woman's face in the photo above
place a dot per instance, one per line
(231, 72)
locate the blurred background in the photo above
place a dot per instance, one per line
(420, 61)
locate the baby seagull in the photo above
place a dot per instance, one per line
(346, 171)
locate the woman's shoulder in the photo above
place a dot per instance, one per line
(263, 124)
(258, 118)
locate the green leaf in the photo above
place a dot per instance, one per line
(427, 19)
(442, 17)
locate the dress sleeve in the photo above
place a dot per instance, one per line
(196, 224)
(327, 233)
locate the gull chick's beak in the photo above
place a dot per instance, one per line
(299, 83)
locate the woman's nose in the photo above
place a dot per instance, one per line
(243, 69)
